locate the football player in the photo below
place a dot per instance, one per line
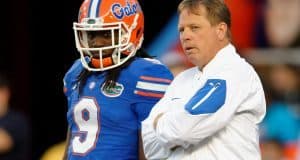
(114, 84)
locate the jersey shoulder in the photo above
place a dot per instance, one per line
(71, 77)
(151, 67)
(147, 67)
(148, 77)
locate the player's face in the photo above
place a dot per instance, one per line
(198, 37)
(99, 39)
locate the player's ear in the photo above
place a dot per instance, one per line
(221, 30)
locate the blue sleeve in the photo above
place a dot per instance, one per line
(71, 77)
(152, 82)
(152, 78)
(142, 111)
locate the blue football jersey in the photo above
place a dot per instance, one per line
(105, 123)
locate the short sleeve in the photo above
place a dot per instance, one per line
(70, 78)
(152, 82)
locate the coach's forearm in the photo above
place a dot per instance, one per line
(156, 120)
(153, 149)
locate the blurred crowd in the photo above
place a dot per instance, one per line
(14, 127)
(275, 25)
(280, 130)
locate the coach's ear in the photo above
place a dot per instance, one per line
(221, 30)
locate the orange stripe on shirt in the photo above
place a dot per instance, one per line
(155, 79)
(149, 94)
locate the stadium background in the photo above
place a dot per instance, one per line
(39, 47)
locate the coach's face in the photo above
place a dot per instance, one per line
(198, 37)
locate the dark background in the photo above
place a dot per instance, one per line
(37, 48)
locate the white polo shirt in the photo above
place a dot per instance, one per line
(211, 114)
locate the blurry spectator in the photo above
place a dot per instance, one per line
(280, 129)
(272, 150)
(279, 115)
(279, 133)
(285, 87)
(282, 23)
(244, 15)
(55, 152)
(14, 131)
(175, 61)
